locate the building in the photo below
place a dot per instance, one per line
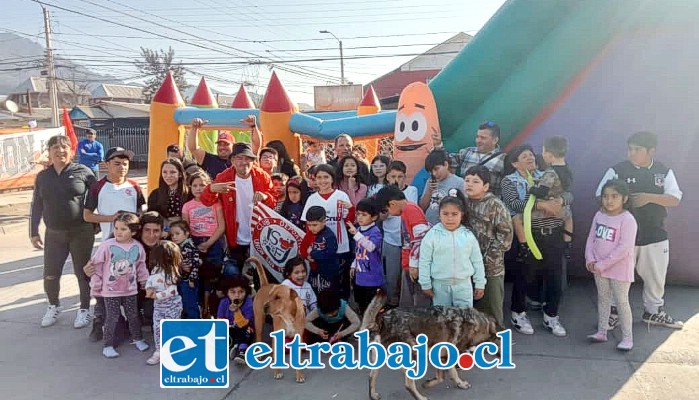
(120, 93)
(33, 93)
(420, 69)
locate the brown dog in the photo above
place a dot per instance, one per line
(280, 302)
(463, 327)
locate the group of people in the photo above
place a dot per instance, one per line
(441, 240)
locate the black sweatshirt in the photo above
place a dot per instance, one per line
(60, 199)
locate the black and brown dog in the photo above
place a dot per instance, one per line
(463, 327)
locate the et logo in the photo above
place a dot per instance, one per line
(194, 353)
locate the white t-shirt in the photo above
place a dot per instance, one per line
(243, 209)
(106, 198)
(391, 226)
(335, 216)
(305, 292)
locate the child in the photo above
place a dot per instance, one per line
(295, 277)
(350, 180)
(332, 320)
(311, 179)
(489, 219)
(278, 184)
(315, 154)
(379, 171)
(189, 273)
(450, 258)
(165, 260)
(396, 176)
(120, 267)
(413, 226)
(236, 307)
(554, 182)
(367, 268)
(207, 225)
(319, 246)
(269, 159)
(437, 164)
(339, 210)
(294, 201)
(610, 256)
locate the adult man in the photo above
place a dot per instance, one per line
(343, 148)
(239, 188)
(59, 194)
(653, 188)
(215, 164)
(150, 234)
(114, 192)
(486, 153)
(91, 152)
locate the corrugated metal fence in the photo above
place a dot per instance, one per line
(134, 139)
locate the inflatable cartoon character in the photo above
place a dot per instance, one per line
(417, 123)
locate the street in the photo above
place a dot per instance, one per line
(60, 363)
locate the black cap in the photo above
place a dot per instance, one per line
(173, 148)
(244, 149)
(118, 152)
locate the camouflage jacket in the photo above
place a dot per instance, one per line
(490, 221)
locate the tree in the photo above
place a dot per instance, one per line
(156, 64)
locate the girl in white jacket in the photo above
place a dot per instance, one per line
(450, 258)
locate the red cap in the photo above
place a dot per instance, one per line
(225, 137)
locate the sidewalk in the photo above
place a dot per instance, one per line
(15, 205)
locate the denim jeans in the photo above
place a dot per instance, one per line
(190, 299)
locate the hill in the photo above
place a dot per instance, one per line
(19, 53)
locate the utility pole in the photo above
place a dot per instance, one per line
(342, 58)
(51, 73)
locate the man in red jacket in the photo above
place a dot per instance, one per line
(239, 188)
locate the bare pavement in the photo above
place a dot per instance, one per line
(60, 363)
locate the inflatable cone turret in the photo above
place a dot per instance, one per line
(164, 131)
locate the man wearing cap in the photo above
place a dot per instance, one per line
(214, 164)
(487, 153)
(91, 152)
(59, 195)
(239, 188)
(114, 192)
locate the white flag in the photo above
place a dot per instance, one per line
(274, 239)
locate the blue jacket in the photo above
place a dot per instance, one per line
(94, 153)
(367, 263)
(450, 257)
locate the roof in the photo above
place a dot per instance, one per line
(118, 91)
(421, 68)
(37, 84)
(111, 110)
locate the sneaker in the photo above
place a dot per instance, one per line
(613, 319)
(660, 318)
(141, 345)
(154, 359)
(239, 358)
(598, 337)
(96, 334)
(625, 345)
(82, 319)
(553, 324)
(521, 323)
(50, 317)
(109, 352)
(233, 352)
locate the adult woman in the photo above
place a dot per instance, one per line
(171, 194)
(548, 234)
(285, 164)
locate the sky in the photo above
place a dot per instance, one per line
(230, 42)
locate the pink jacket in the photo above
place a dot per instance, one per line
(611, 245)
(119, 268)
